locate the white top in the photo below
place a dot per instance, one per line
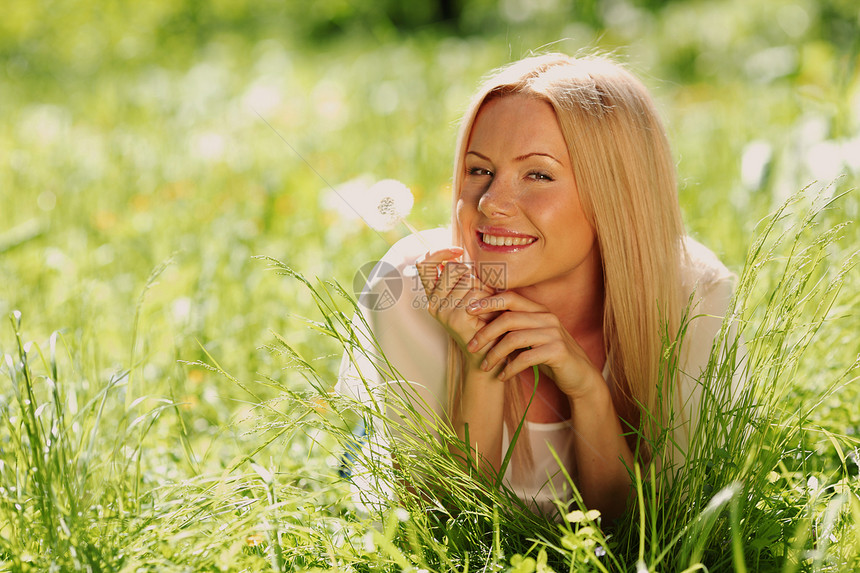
(394, 306)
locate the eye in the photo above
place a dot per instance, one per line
(478, 171)
(539, 176)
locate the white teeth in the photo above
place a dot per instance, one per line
(506, 241)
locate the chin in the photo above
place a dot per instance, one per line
(494, 274)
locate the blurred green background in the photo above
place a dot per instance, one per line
(134, 134)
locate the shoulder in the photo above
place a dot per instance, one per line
(395, 273)
(701, 271)
(405, 252)
(408, 343)
(410, 248)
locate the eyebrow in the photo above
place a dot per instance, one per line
(520, 158)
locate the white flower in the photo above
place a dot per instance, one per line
(387, 203)
(381, 205)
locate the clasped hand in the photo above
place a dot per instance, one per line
(502, 333)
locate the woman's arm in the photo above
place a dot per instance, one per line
(451, 286)
(481, 413)
(528, 335)
(602, 454)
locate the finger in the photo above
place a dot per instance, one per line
(444, 293)
(507, 300)
(449, 308)
(525, 359)
(469, 280)
(470, 295)
(436, 257)
(477, 283)
(509, 321)
(454, 276)
(428, 265)
(454, 291)
(513, 341)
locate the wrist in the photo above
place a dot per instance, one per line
(475, 372)
(593, 392)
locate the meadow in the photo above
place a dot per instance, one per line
(171, 245)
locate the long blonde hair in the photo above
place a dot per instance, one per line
(625, 176)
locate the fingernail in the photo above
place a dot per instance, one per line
(473, 344)
(502, 375)
(485, 365)
(473, 306)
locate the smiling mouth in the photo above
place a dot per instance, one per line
(505, 240)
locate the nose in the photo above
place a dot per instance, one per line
(499, 199)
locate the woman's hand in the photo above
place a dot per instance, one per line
(450, 286)
(527, 334)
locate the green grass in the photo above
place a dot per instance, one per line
(163, 404)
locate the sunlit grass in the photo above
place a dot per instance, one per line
(163, 405)
(749, 497)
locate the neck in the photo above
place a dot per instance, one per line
(576, 300)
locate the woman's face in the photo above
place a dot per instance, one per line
(519, 211)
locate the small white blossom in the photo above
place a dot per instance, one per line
(381, 205)
(388, 202)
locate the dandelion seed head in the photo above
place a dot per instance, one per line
(381, 205)
(386, 206)
(392, 201)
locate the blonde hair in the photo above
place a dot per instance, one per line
(625, 176)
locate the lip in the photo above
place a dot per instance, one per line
(500, 232)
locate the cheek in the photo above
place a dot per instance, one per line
(464, 214)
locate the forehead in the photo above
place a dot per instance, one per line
(518, 123)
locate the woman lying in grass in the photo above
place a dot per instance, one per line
(564, 274)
